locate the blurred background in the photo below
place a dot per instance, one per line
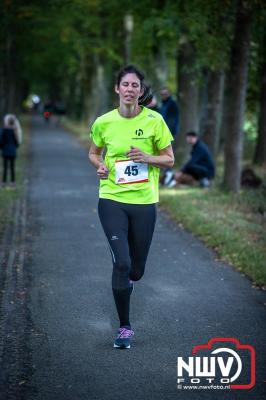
(62, 56)
(210, 54)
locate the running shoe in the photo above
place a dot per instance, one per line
(204, 183)
(123, 338)
(172, 184)
(168, 177)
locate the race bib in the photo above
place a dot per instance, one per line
(127, 171)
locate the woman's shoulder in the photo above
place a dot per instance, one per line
(152, 114)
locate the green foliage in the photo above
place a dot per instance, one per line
(57, 44)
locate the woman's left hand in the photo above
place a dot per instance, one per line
(137, 155)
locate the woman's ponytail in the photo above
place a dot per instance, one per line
(147, 96)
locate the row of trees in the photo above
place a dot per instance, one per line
(212, 53)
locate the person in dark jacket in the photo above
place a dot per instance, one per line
(199, 168)
(9, 143)
(169, 111)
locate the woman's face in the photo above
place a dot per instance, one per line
(129, 89)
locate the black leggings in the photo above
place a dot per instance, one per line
(129, 229)
(9, 162)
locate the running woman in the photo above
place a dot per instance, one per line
(137, 143)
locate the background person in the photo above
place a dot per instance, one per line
(17, 127)
(137, 143)
(200, 167)
(169, 110)
(10, 139)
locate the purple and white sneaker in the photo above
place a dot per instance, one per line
(123, 338)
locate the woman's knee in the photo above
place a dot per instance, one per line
(136, 275)
(120, 277)
(122, 267)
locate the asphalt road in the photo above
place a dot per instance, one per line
(185, 299)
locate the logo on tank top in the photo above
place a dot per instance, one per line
(139, 132)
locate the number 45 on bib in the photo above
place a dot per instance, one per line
(127, 171)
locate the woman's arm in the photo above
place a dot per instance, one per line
(96, 158)
(163, 160)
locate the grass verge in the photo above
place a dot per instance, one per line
(233, 225)
(80, 129)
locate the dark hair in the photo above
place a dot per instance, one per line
(146, 98)
(192, 133)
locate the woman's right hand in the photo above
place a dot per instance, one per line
(102, 171)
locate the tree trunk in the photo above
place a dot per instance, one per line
(68, 95)
(160, 64)
(11, 76)
(128, 30)
(212, 121)
(97, 100)
(2, 92)
(224, 116)
(101, 87)
(260, 152)
(237, 84)
(203, 100)
(188, 94)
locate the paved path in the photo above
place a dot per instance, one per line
(185, 298)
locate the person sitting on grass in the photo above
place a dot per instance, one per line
(198, 169)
